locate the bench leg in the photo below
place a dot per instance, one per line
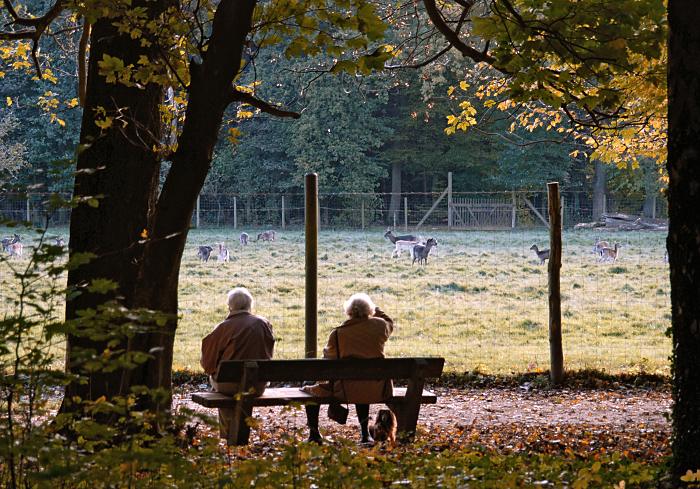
(233, 428)
(406, 420)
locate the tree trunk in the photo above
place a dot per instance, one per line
(209, 94)
(651, 188)
(395, 203)
(684, 229)
(147, 275)
(118, 165)
(599, 189)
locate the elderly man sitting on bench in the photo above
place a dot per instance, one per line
(241, 336)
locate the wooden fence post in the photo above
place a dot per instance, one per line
(311, 234)
(653, 207)
(450, 221)
(196, 221)
(605, 204)
(515, 208)
(235, 214)
(283, 223)
(556, 354)
(29, 210)
(405, 213)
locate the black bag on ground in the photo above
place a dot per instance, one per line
(338, 413)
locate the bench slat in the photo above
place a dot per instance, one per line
(327, 369)
(281, 396)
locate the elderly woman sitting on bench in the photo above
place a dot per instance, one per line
(362, 335)
(241, 336)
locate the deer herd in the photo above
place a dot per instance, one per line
(418, 248)
(602, 249)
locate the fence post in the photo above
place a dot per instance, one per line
(394, 214)
(405, 213)
(653, 207)
(449, 200)
(556, 354)
(283, 223)
(29, 210)
(515, 205)
(235, 214)
(362, 213)
(311, 234)
(605, 204)
(196, 222)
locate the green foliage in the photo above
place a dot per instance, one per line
(426, 466)
(105, 443)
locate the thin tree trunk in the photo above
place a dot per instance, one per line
(599, 190)
(684, 230)
(395, 203)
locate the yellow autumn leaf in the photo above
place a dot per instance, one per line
(691, 476)
(9, 101)
(104, 123)
(463, 85)
(144, 233)
(233, 134)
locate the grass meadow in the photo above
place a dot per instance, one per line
(481, 301)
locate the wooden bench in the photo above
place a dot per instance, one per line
(405, 401)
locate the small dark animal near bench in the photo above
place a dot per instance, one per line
(405, 402)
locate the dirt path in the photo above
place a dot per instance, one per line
(625, 419)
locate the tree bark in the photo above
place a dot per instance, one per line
(209, 94)
(684, 230)
(395, 203)
(651, 188)
(599, 190)
(118, 165)
(122, 167)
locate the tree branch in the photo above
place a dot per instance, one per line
(250, 99)
(453, 37)
(39, 24)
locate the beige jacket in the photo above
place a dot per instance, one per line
(241, 336)
(361, 338)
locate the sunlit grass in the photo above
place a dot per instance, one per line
(481, 302)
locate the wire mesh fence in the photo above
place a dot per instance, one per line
(481, 301)
(459, 210)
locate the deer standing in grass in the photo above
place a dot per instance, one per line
(543, 255)
(610, 254)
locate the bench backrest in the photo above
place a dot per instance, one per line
(330, 369)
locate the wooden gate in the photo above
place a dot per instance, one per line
(483, 212)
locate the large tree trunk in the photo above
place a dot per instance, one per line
(118, 166)
(147, 275)
(210, 92)
(395, 203)
(684, 229)
(599, 190)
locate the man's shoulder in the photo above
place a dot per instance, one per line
(260, 318)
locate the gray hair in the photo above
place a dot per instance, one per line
(239, 299)
(359, 306)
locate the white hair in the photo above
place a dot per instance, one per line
(359, 306)
(239, 299)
